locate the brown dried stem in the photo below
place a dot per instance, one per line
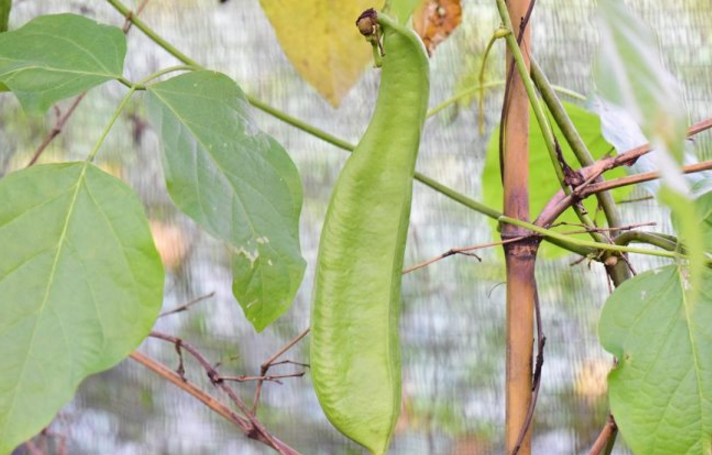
(187, 305)
(607, 432)
(264, 368)
(462, 250)
(255, 429)
(640, 178)
(560, 202)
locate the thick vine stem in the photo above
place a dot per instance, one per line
(618, 272)
(521, 65)
(519, 257)
(664, 241)
(561, 201)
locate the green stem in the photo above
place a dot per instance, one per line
(125, 81)
(164, 71)
(495, 37)
(155, 37)
(458, 197)
(460, 95)
(107, 128)
(572, 136)
(472, 90)
(619, 272)
(299, 124)
(664, 241)
(531, 93)
(549, 234)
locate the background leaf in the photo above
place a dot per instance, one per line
(5, 7)
(321, 40)
(55, 57)
(236, 182)
(629, 72)
(81, 286)
(401, 9)
(661, 391)
(543, 183)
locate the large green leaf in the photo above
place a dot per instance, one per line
(236, 182)
(543, 180)
(661, 391)
(55, 57)
(629, 73)
(81, 284)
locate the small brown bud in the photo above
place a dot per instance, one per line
(611, 261)
(366, 22)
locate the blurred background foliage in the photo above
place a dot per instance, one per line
(453, 312)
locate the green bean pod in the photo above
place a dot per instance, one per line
(355, 349)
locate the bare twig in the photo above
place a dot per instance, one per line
(635, 199)
(186, 306)
(172, 377)
(256, 429)
(586, 229)
(639, 178)
(56, 129)
(560, 202)
(264, 368)
(271, 377)
(32, 448)
(602, 440)
(627, 227)
(462, 250)
(131, 14)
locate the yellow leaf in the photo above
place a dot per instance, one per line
(321, 40)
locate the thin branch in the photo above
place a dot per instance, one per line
(32, 448)
(462, 250)
(635, 199)
(130, 15)
(56, 129)
(186, 306)
(586, 229)
(270, 377)
(607, 432)
(256, 429)
(172, 377)
(284, 349)
(267, 364)
(640, 178)
(560, 202)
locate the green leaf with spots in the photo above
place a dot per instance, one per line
(236, 182)
(58, 56)
(81, 285)
(661, 390)
(543, 184)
